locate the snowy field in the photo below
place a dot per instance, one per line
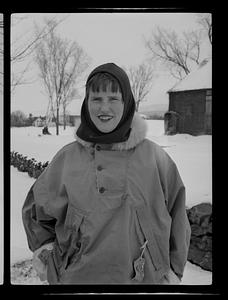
(193, 156)
(1, 214)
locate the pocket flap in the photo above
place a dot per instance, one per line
(145, 223)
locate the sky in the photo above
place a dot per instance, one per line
(105, 37)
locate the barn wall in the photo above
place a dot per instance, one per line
(195, 115)
(208, 115)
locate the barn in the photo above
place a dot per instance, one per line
(190, 103)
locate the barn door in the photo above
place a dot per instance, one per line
(188, 118)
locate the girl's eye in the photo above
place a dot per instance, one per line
(96, 99)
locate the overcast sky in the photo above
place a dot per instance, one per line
(105, 37)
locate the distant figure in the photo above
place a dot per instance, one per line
(45, 130)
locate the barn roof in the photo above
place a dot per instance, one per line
(198, 79)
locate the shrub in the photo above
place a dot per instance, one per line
(23, 164)
(18, 118)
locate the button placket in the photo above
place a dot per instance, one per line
(98, 169)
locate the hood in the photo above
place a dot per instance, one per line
(87, 130)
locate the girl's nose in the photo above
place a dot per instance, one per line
(105, 106)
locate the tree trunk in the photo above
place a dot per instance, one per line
(57, 121)
(137, 105)
(64, 117)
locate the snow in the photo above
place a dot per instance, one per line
(192, 154)
(193, 157)
(1, 220)
(1, 185)
(200, 78)
(20, 184)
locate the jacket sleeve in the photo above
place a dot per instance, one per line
(175, 197)
(38, 224)
(180, 227)
(46, 202)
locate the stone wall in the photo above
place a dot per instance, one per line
(200, 250)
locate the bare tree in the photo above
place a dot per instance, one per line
(21, 50)
(177, 53)
(205, 20)
(61, 63)
(141, 79)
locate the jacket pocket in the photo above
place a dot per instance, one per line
(73, 235)
(152, 246)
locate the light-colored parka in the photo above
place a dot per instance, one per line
(100, 204)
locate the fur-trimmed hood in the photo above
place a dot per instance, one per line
(137, 135)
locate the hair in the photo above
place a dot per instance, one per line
(101, 81)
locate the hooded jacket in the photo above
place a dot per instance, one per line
(100, 204)
(87, 130)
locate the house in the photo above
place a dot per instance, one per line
(190, 103)
(39, 122)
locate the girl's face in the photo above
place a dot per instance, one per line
(105, 109)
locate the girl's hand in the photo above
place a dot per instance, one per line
(171, 278)
(39, 262)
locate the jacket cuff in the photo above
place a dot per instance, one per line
(174, 278)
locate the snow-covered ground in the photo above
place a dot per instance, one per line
(1, 216)
(193, 156)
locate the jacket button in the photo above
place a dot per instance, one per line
(99, 168)
(101, 190)
(98, 147)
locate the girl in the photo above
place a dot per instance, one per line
(110, 207)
